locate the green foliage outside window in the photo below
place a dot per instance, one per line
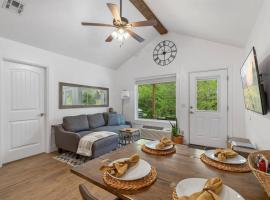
(207, 95)
(157, 101)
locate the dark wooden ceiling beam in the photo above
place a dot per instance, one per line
(148, 14)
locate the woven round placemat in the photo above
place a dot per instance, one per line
(225, 167)
(131, 185)
(158, 152)
(174, 195)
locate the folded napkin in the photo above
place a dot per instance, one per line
(212, 188)
(223, 154)
(164, 142)
(118, 169)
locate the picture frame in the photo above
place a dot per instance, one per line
(82, 96)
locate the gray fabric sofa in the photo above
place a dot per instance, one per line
(68, 134)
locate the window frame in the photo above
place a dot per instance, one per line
(153, 80)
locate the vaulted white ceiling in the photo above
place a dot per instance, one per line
(225, 21)
(54, 25)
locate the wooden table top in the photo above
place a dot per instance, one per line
(185, 163)
(129, 130)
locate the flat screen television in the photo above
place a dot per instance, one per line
(254, 95)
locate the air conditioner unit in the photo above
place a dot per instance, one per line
(14, 5)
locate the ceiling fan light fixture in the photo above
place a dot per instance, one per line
(120, 34)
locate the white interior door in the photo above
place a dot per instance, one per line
(24, 118)
(208, 108)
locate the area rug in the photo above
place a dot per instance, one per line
(70, 159)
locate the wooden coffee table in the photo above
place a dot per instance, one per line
(129, 135)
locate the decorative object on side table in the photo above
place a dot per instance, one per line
(256, 161)
(177, 136)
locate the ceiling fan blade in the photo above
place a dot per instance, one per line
(115, 12)
(109, 39)
(151, 22)
(135, 35)
(96, 24)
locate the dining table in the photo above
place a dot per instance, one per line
(171, 169)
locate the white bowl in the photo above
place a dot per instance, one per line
(238, 160)
(138, 171)
(152, 145)
(189, 186)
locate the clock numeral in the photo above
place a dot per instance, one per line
(164, 43)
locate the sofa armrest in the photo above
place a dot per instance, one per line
(66, 140)
(129, 123)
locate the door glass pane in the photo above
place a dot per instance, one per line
(207, 95)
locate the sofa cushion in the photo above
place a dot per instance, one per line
(96, 120)
(113, 119)
(114, 129)
(84, 133)
(105, 145)
(75, 123)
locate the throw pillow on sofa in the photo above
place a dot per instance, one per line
(113, 119)
(121, 119)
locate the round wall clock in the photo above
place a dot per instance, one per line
(164, 53)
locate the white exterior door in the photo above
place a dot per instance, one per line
(208, 108)
(24, 111)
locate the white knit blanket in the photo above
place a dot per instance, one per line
(87, 141)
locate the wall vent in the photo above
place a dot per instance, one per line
(14, 5)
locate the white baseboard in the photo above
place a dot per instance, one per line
(53, 149)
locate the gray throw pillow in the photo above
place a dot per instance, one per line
(106, 117)
(113, 119)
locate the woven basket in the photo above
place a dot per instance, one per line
(264, 178)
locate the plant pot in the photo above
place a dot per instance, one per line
(178, 139)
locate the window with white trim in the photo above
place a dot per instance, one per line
(156, 98)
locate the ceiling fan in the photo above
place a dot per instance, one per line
(122, 25)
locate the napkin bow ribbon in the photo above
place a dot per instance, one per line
(210, 191)
(223, 154)
(164, 142)
(118, 169)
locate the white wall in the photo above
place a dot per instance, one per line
(258, 126)
(193, 55)
(59, 68)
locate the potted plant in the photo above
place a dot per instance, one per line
(177, 136)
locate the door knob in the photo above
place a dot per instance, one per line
(42, 114)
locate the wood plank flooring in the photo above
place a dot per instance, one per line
(42, 177)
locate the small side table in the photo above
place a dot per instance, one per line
(129, 135)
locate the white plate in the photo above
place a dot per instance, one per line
(189, 186)
(235, 161)
(138, 171)
(152, 145)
